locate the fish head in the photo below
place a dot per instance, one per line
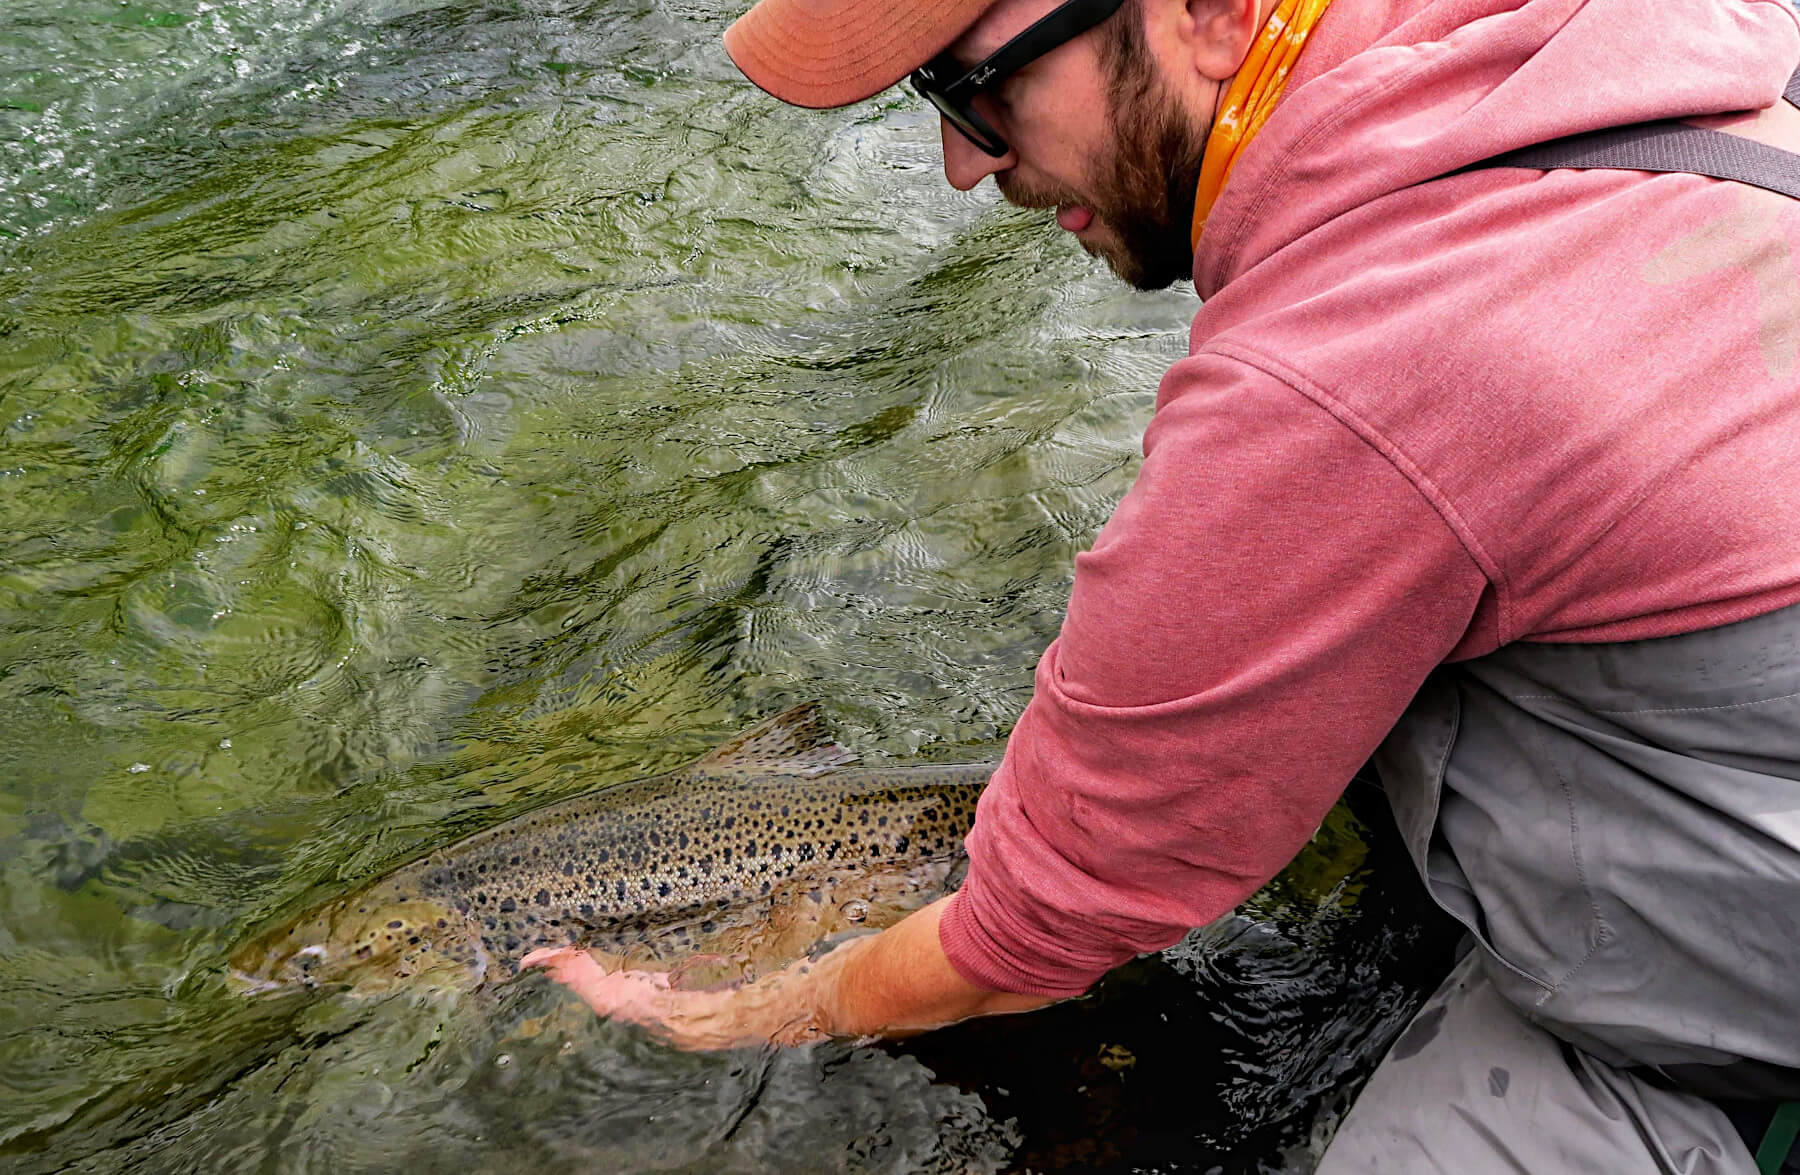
(361, 941)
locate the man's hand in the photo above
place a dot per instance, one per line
(773, 1010)
(894, 983)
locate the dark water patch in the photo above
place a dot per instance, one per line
(1233, 1052)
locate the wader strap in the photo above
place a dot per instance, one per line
(1667, 145)
(1778, 1142)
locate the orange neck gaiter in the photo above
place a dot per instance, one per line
(1251, 97)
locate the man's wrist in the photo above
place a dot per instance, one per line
(900, 982)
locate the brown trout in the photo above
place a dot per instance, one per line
(752, 853)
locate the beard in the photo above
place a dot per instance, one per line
(1143, 193)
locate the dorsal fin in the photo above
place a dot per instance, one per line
(794, 742)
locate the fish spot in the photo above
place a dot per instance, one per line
(394, 924)
(543, 897)
(508, 906)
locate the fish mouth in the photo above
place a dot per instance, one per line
(252, 973)
(242, 983)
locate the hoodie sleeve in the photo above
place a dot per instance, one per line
(1247, 627)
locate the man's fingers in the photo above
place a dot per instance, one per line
(686, 1019)
(544, 956)
(566, 965)
(637, 996)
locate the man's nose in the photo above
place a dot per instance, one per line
(965, 164)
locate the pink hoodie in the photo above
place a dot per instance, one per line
(1417, 421)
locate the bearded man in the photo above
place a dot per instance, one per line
(1489, 472)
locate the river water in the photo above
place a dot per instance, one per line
(414, 412)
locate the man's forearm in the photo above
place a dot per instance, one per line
(900, 982)
(894, 983)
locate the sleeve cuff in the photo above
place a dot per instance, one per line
(980, 955)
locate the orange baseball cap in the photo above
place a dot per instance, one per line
(822, 53)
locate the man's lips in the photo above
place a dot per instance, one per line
(1074, 217)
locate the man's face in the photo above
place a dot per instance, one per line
(1097, 134)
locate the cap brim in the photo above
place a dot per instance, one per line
(823, 53)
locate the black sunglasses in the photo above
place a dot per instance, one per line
(955, 100)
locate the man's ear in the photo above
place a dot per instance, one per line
(1216, 35)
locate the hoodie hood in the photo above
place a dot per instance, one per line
(1388, 95)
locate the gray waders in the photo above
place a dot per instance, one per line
(1617, 826)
